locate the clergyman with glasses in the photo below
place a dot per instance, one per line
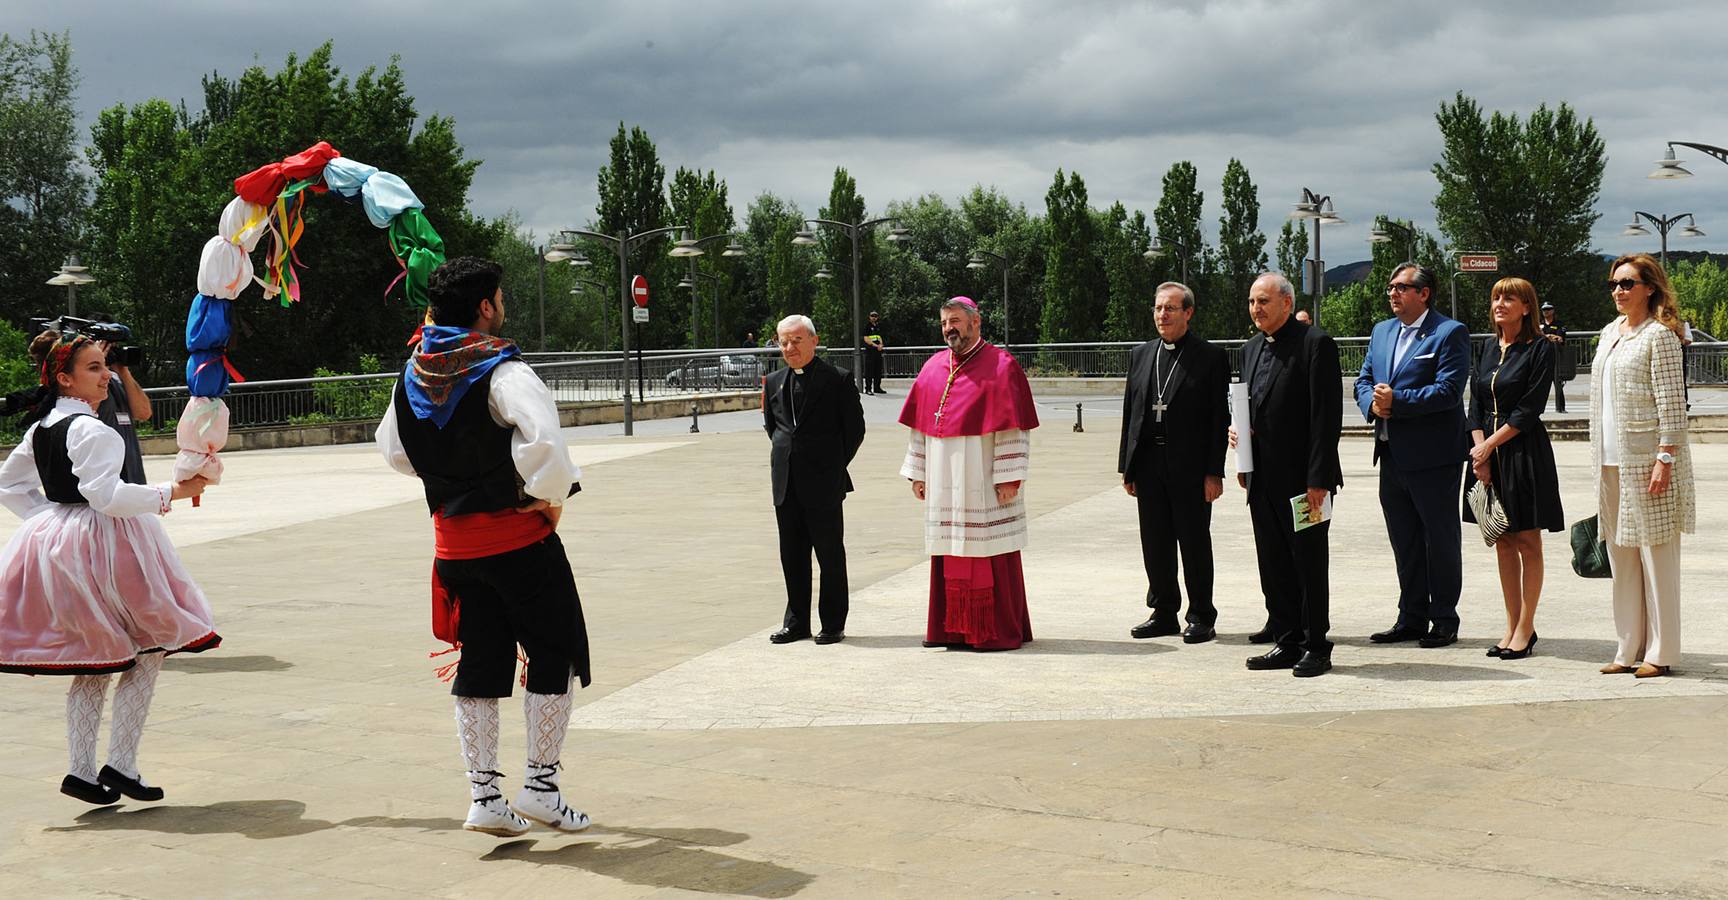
(1411, 388)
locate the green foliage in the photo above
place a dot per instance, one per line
(1073, 278)
(1353, 309)
(16, 373)
(776, 274)
(994, 223)
(833, 309)
(42, 186)
(699, 200)
(163, 175)
(1525, 189)
(1292, 249)
(342, 401)
(1241, 244)
(1123, 240)
(1701, 287)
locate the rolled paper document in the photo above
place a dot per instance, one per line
(1239, 421)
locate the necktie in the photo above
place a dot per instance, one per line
(1405, 333)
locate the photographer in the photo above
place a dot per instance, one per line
(127, 404)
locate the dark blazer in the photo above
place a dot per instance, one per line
(814, 453)
(1427, 421)
(1298, 412)
(1196, 426)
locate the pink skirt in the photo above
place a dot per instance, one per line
(82, 593)
(984, 609)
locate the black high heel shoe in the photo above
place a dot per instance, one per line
(1530, 648)
(1495, 650)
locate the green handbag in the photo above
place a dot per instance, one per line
(1589, 551)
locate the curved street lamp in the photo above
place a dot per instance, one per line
(854, 231)
(1663, 225)
(622, 242)
(977, 262)
(1319, 208)
(1668, 167)
(1386, 230)
(1159, 249)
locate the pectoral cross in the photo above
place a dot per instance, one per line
(1158, 411)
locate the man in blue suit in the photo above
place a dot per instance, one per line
(1412, 388)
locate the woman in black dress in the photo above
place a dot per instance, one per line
(1512, 454)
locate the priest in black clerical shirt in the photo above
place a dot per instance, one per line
(1175, 424)
(815, 422)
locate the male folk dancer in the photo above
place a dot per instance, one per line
(970, 411)
(481, 431)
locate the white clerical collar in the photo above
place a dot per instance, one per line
(797, 371)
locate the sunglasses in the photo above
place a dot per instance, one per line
(1396, 288)
(1624, 284)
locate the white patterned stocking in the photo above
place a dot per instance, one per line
(477, 727)
(548, 721)
(84, 722)
(131, 707)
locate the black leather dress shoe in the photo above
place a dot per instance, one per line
(98, 794)
(830, 637)
(1263, 636)
(1398, 634)
(1276, 658)
(1198, 634)
(787, 636)
(131, 787)
(1312, 664)
(1152, 628)
(1438, 638)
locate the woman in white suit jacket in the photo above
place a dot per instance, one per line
(1638, 444)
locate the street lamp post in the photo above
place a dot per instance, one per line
(1159, 248)
(1663, 225)
(622, 242)
(72, 275)
(1668, 167)
(977, 262)
(690, 248)
(1387, 230)
(854, 231)
(1318, 208)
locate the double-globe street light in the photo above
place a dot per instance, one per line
(689, 248)
(622, 243)
(978, 262)
(1663, 225)
(855, 231)
(1318, 208)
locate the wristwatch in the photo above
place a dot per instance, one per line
(1665, 458)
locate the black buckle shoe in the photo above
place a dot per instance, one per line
(131, 787)
(95, 794)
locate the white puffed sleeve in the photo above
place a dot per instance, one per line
(97, 453)
(520, 400)
(20, 483)
(390, 441)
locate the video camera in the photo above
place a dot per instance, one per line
(120, 353)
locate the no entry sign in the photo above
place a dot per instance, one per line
(639, 291)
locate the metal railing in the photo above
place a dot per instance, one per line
(582, 376)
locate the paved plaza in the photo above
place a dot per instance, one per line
(315, 754)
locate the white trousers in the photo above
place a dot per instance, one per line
(1646, 588)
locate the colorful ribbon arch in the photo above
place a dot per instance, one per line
(270, 200)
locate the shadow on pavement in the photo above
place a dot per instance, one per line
(1419, 671)
(255, 819)
(217, 663)
(665, 858)
(1079, 647)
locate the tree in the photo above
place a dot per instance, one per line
(1701, 287)
(1241, 244)
(1292, 249)
(43, 191)
(834, 302)
(1525, 189)
(699, 200)
(1178, 228)
(941, 241)
(163, 176)
(777, 274)
(1070, 279)
(1004, 227)
(1124, 240)
(632, 189)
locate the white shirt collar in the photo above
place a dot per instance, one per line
(73, 405)
(1419, 320)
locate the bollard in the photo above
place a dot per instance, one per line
(695, 412)
(1079, 424)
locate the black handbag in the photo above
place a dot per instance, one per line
(1589, 551)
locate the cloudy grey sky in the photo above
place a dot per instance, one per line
(922, 97)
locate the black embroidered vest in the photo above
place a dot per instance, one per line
(465, 466)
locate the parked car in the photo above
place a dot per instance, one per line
(730, 371)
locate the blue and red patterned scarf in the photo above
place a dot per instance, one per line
(447, 363)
